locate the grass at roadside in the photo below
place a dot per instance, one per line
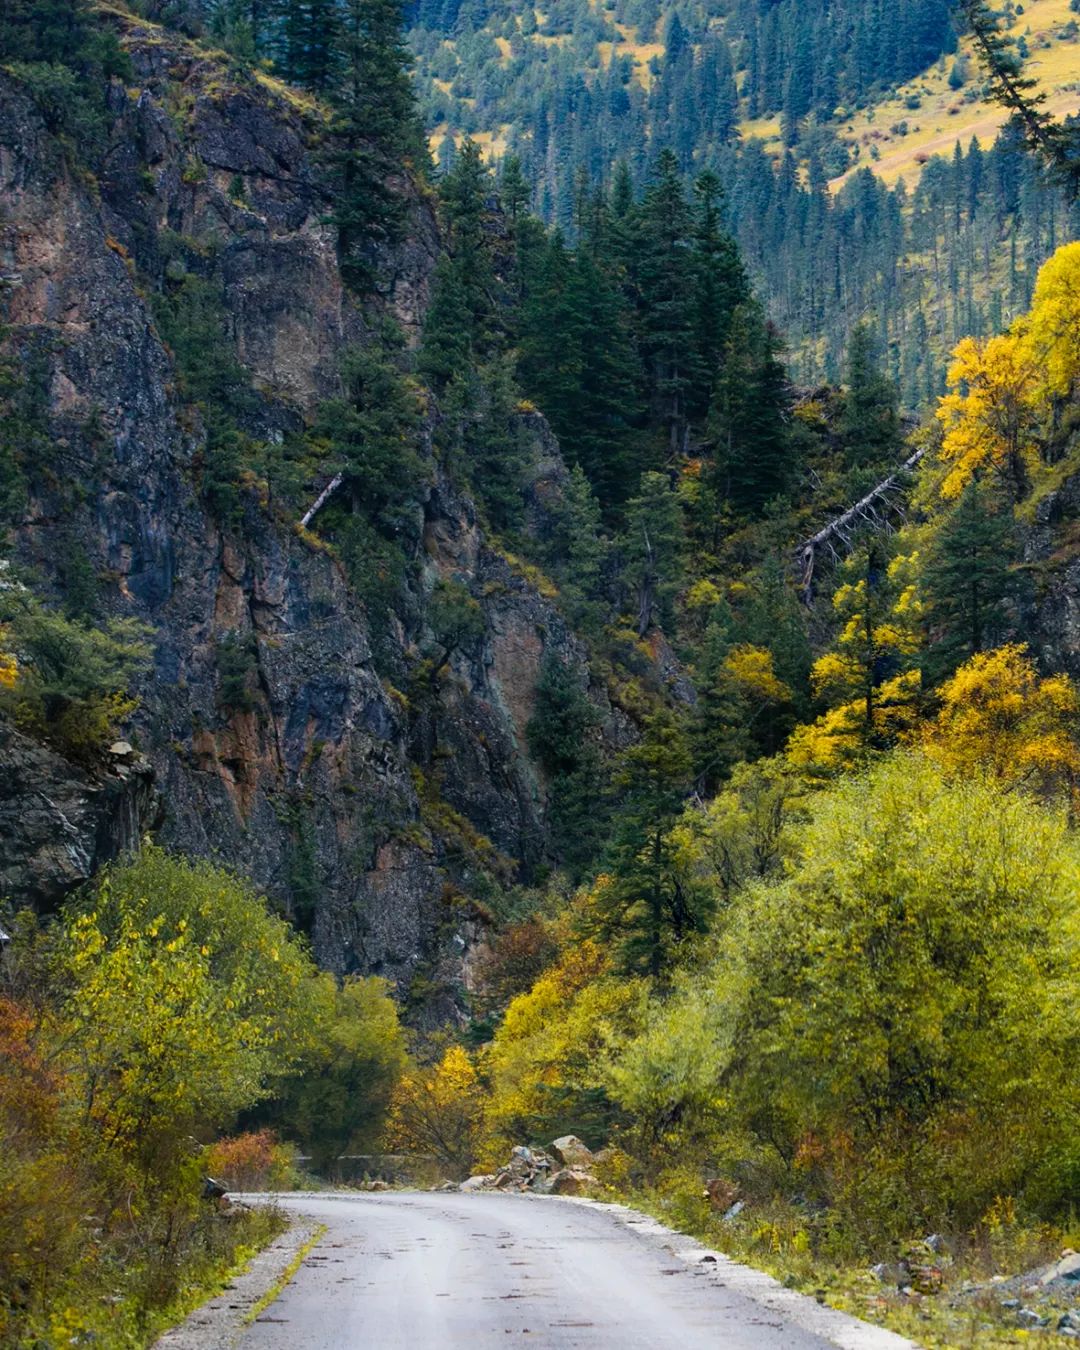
(205, 1278)
(966, 1314)
(286, 1275)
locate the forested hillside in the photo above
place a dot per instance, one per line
(780, 101)
(483, 692)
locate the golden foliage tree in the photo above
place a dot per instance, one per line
(999, 717)
(436, 1111)
(988, 415)
(867, 675)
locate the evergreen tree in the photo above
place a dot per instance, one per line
(969, 580)
(643, 908)
(374, 131)
(665, 273)
(653, 548)
(718, 738)
(577, 550)
(65, 56)
(311, 45)
(752, 447)
(721, 287)
(559, 735)
(870, 421)
(461, 324)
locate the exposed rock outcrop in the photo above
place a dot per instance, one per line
(326, 788)
(60, 823)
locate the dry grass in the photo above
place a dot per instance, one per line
(946, 118)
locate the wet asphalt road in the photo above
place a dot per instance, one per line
(420, 1271)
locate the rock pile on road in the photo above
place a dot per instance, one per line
(564, 1168)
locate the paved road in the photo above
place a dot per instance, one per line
(417, 1271)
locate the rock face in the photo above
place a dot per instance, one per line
(325, 790)
(59, 824)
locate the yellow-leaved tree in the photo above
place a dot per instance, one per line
(1052, 329)
(436, 1111)
(989, 415)
(545, 1063)
(868, 674)
(999, 717)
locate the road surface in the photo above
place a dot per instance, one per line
(422, 1271)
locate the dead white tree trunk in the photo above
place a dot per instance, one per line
(321, 500)
(836, 538)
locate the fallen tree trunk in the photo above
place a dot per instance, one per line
(837, 536)
(321, 500)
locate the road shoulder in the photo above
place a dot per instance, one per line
(220, 1323)
(840, 1329)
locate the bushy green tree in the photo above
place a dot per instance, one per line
(886, 1001)
(340, 1098)
(74, 677)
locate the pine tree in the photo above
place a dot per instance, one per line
(311, 47)
(721, 288)
(461, 324)
(752, 459)
(559, 735)
(870, 421)
(374, 132)
(653, 547)
(969, 580)
(666, 279)
(643, 908)
(577, 550)
(718, 737)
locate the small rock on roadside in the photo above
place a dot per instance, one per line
(1068, 1268)
(477, 1183)
(1028, 1317)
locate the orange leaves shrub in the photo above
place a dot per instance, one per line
(253, 1161)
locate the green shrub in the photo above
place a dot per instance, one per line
(73, 677)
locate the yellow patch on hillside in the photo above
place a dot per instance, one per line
(946, 117)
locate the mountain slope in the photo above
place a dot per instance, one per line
(277, 744)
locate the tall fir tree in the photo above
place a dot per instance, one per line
(752, 460)
(643, 907)
(664, 271)
(374, 133)
(870, 420)
(969, 579)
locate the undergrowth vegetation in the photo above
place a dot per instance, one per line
(135, 1028)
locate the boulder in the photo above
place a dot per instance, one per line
(571, 1152)
(571, 1181)
(1068, 1268)
(478, 1183)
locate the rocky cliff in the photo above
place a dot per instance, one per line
(375, 832)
